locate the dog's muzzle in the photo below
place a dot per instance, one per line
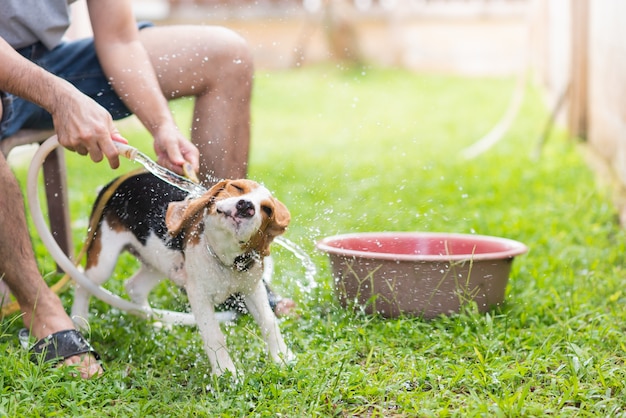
(245, 209)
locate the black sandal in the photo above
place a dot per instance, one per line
(58, 346)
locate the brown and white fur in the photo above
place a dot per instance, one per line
(213, 246)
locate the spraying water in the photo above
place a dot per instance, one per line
(309, 267)
(168, 176)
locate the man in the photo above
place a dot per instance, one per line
(76, 87)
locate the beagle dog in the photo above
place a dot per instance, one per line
(212, 246)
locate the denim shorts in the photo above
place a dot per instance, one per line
(74, 61)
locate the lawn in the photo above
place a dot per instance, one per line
(370, 150)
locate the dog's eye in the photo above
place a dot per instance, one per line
(268, 210)
(238, 188)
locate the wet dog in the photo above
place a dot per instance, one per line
(212, 246)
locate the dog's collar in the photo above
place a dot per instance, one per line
(243, 262)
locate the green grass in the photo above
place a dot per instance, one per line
(372, 150)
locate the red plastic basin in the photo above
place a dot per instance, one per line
(420, 273)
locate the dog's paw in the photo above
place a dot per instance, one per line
(222, 365)
(232, 376)
(225, 381)
(288, 358)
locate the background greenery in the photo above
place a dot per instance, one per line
(369, 150)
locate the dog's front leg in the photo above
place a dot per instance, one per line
(212, 335)
(259, 307)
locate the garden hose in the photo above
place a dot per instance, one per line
(63, 284)
(499, 130)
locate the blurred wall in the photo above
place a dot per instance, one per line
(551, 48)
(607, 82)
(580, 49)
(469, 37)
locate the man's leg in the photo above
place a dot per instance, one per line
(42, 311)
(214, 65)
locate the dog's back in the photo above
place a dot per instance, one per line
(138, 204)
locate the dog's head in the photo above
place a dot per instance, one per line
(235, 216)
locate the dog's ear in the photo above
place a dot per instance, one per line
(181, 214)
(280, 221)
(273, 226)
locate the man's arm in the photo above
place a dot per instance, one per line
(81, 124)
(127, 65)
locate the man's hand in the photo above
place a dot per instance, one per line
(83, 126)
(173, 150)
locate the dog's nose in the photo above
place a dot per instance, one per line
(245, 209)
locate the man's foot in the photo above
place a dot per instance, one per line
(86, 363)
(285, 307)
(281, 306)
(63, 346)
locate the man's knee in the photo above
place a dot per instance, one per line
(235, 53)
(212, 51)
